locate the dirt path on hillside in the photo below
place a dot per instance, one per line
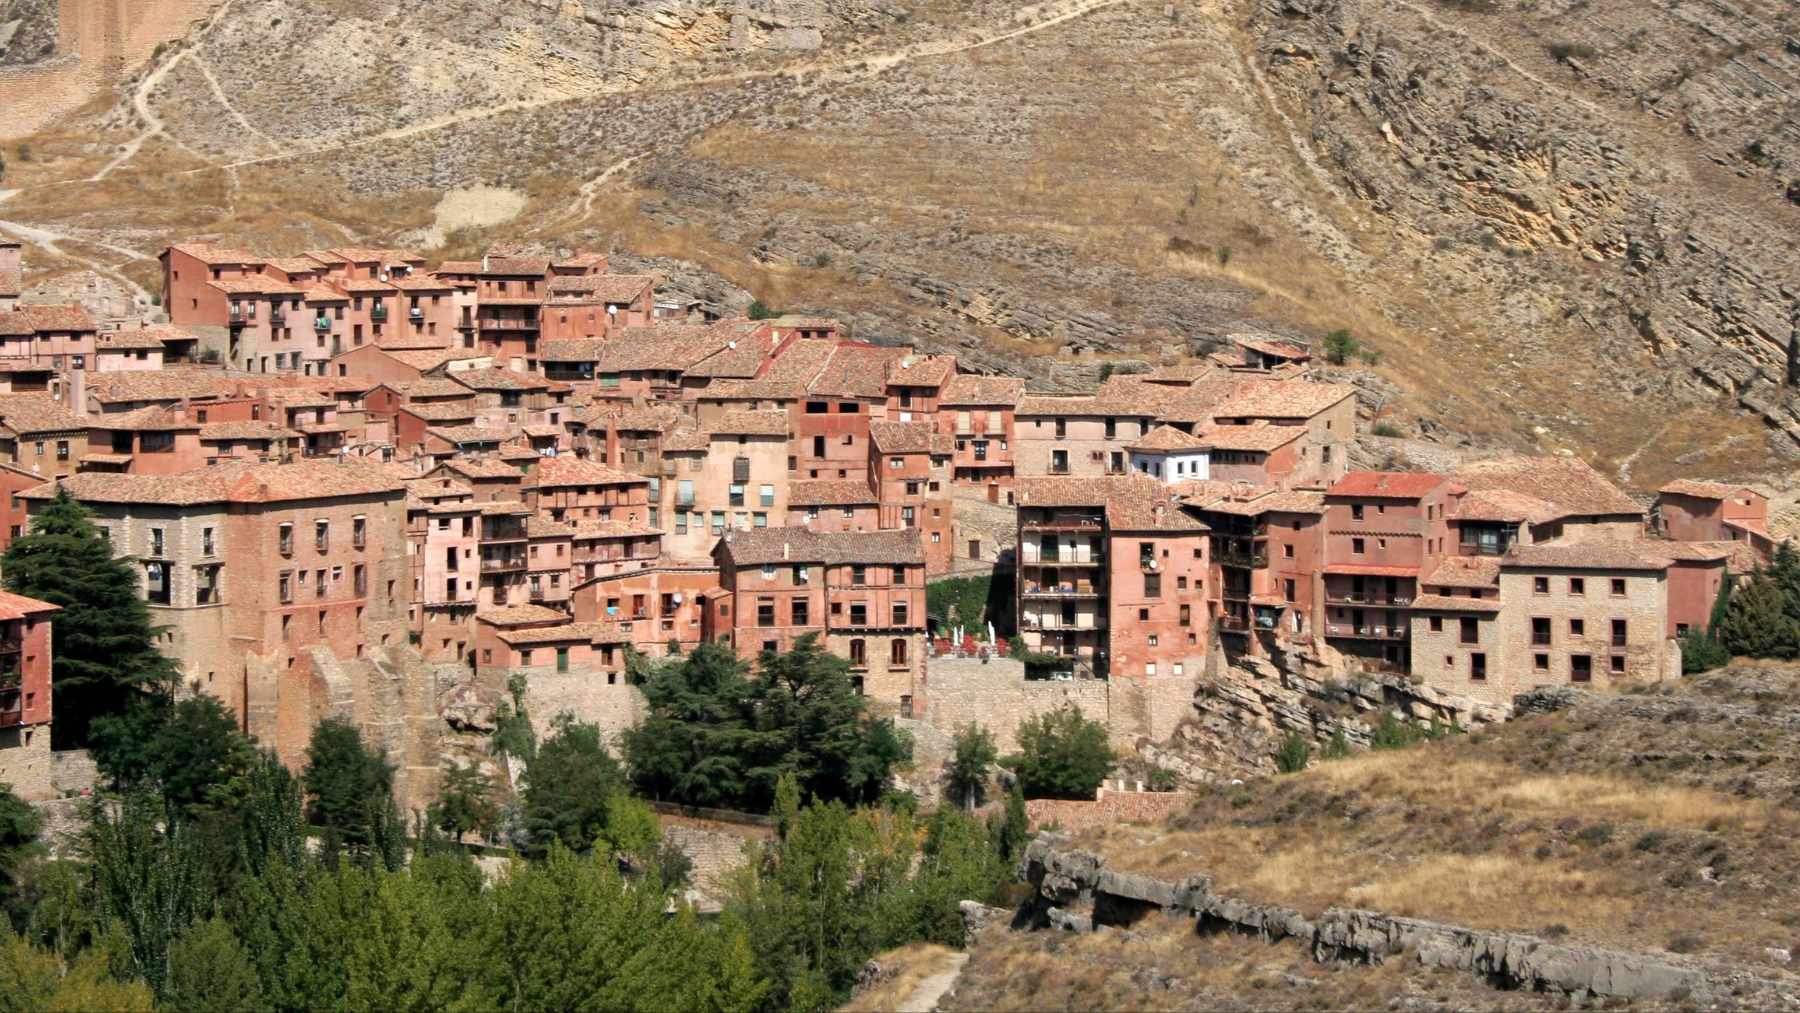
(857, 65)
(931, 991)
(46, 239)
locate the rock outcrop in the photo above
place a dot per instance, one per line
(1074, 891)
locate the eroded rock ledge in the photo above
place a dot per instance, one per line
(1074, 891)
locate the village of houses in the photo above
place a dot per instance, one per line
(529, 465)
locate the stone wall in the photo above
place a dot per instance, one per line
(997, 695)
(615, 706)
(1074, 890)
(717, 848)
(1110, 806)
(994, 525)
(35, 772)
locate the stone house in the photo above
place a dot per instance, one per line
(1692, 511)
(978, 413)
(26, 707)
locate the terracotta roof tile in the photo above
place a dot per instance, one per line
(1131, 502)
(461, 435)
(1284, 399)
(432, 411)
(1701, 490)
(1165, 439)
(593, 633)
(483, 467)
(901, 437)
(573, 350)
(556, 472)
(213, 255)
(857, 371)
(17, 606)
(427, 359)
(830, 492)
(968, 389)
(144, 338)
(800, 545)
(1568, 483)
(47, 317)
(609, 288)
(1641, 555)
(160, 385)
(256, 284)
(1386, 484)
(1464, 571)
(38, 413)
(1445, 603)
(495, 378)
(519, 615)
(922, 371)
(1279, 347)
(233, 483)
(750, 423)
(249, 430)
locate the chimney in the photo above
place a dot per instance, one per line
(784, 550)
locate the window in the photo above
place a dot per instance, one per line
(1540, 585)
(1153, 585)
(1618, 632)
(1616, 664)
(62, 450)
(859, 575)
(1577, 628)
(156, 541)
(1187, 615)
(1436, 623)
(1471, 630)
(737, 495)
(1577, 585)
(1540, 631)
(1287, 590)
(1356, 511)
(1581, 668)
(1618, 587)
(1540, 662)
(206, 542)
(801, 612)
(859, 613)
(766, 495)
(359, 532)
(1287, 552)
(859, 653)
(322, 535)
(897, 652)
(525, 656)
(765, 612)
(1478, 667)
(1356, 546)
(802, 574)
(768, 571)
(901, 613)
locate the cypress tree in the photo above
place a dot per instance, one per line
(1756, 623)
(105, 645)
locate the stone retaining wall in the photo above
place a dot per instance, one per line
(1065, 881)
(1109, 807)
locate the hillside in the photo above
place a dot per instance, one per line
(1561, 224)
(1658, 824)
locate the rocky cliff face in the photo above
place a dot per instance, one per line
(1651, 146)
(27, 31)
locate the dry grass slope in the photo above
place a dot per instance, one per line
(1656, 821)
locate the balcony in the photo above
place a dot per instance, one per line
(277, 318)
(536, 594)
(12, 708)
(1234, 593)
(508, 324)
(238, 317)
(1367, 631)
(415, 313)
(1254, 559)
(1055, 624)
(503, 564)
(1031, 555)
(378, 313)
(1063, 522)
(1067, 589)
(322, 324)
(1368, 598)
(1233, 624)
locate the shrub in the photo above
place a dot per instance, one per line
(758, 311)
(1387, 429)
(1293, 754)
(1701, 653)
(968, 769)
(1336, 748)
(1566, 51)
(822, 260)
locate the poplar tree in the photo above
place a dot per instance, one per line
(105, 644)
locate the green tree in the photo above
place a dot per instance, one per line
(716, 737)
(34, 980)
(209, 971)
(974, 753)
(350, 793)
(568, 788)
(465, 802)
(1757, 624)
(1293, 754)
(1010, 829)
(1784, 570)
(808, 719)
(105, 644)
(19, 828)
(758, 311)
(197, 756)
(1061, 755)
(1340, 347)
(150, 878)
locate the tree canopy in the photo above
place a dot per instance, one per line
(350, 793)
(1061, 755)
(105, 643)
(569, 788)
(717, 735)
